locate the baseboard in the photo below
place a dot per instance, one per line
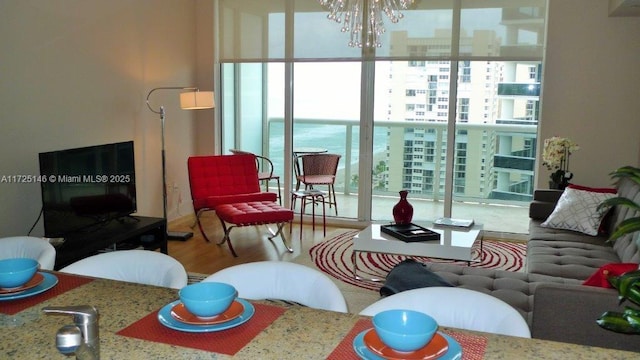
(185, 220)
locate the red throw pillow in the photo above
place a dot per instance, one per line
(599, 278)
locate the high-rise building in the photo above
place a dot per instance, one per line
(493, 100)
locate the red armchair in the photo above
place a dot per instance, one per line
(218, 181)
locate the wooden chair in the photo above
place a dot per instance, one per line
(318, 170)
(265, 169)
(229, 185)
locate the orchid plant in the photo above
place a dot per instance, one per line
(555, 156)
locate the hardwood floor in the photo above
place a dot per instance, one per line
(250, 242)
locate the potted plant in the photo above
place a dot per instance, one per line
(555, 156)
(628, 321)
(629, 225)
(628, 284)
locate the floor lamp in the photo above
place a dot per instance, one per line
(192, 99)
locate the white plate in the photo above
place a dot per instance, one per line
(454, 352)
(165, 318)
(49, 281)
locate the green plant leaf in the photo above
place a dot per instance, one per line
(616, 321)
(614, 281)
(632, 311)
(626, 226)
(633, 294)
(618, 201)
(630, 172)
(625, 281)
(633, 320)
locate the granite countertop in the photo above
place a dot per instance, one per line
(299, 333)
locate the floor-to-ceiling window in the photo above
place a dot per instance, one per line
(446, 107)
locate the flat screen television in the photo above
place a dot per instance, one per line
(85, 188)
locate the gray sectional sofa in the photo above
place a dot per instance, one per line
(550, 294)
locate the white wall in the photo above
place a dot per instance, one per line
(592, 88)
(76, 73)
(204, 125)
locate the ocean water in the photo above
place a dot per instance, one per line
(326, 136)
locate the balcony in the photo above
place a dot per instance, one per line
(495, 216)
(494, 187)
(511, 162)
(519, 89)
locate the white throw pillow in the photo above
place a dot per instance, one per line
(577, 210)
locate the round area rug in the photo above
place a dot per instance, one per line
(333, 256)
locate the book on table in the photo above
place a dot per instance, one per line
(445, 221)
(410, 232)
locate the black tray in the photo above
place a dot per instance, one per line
(410, 232)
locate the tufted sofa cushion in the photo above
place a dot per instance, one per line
(568, 259)
(537, 232)
(514, 288)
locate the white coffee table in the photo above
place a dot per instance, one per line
(454, 244)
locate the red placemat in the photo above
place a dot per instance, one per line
(473, 346)
(228, 342)
(344, 350)
(65, 283)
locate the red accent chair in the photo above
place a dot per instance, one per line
(229, 185)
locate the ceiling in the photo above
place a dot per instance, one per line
(624, 8)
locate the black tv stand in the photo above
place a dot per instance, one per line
(146, 232)
(128, 218)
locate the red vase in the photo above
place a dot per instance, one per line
(403, 211)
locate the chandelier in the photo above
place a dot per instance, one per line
(353, 18)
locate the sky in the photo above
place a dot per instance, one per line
(332, 90)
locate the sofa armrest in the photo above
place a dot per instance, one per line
(544, 201)
(568, 313)
(547, 195)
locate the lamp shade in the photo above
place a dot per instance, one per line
(195, 100)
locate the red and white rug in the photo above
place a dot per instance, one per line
(333, 256)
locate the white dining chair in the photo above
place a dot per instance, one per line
(458, 308)
(281, 280)
(138, 266)
(29, 247)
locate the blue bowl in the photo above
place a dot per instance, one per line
(404, 330)
(17, 272)
(207, 299)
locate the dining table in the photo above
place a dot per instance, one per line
(130, 328)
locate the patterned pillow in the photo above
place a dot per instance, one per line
(577, 209)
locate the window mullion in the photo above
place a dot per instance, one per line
(453, 95)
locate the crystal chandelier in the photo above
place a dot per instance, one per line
(352, 16)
